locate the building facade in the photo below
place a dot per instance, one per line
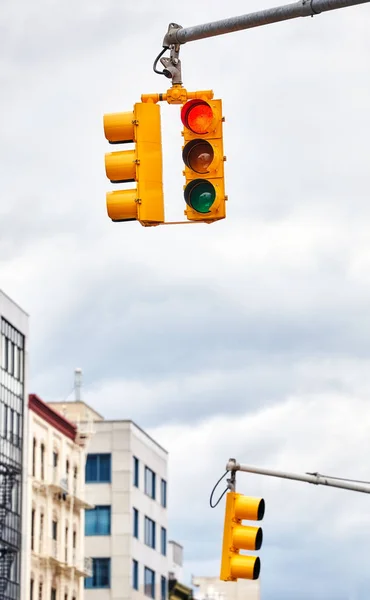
(211, 588)
(13, 444)
(57, 564)
(126, 532)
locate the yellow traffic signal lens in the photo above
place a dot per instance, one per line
(200, 194)
(197, 115)
(198, 156)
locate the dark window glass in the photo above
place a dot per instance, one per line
(149, 532)
(149, 582)
(98, 468)
(136, 471)
(101, 574)
(163, 541)
(97, 521)
(135, 517)
(163, 588)
(135, 574)
(164, 493)
(150, 482)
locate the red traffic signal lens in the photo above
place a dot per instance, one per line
(198, 156)
(200, 194)
(197, 115)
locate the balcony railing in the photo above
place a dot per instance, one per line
(83, 565)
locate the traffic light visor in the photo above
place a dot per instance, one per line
(197, 115)
(200, 195)
(198, 156)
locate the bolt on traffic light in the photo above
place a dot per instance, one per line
(142, 164)
(204, 189)
(238, 537)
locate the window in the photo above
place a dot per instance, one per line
(42, 450)
(33, 529)
(74, 539)
(164, 493)
(66, 545)
(150, 482)
(98, 468)
(101, 574)
(149, 582)
(149, 534)
(55, 459)
(53, 595)
(135, 523)
(135, 574)
(41, 591)
(67, 467)
(31, 589)
(41, 531)
(34, 457)
(163, 588)
(54, 529)
(163, 541)
(97, 521)
(136, 471)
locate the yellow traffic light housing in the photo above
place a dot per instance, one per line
(238, 537)
(204, 189)
(142, 164)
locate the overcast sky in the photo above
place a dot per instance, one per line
(248, 338)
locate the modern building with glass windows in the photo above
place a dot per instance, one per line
(126, 531)
(13, 430)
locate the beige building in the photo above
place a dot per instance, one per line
(126, 532)
(211, 588)
(56, 565)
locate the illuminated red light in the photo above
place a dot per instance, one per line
(197, 116)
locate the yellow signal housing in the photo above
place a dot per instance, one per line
(141, 164)
(238, 537)
(203, 155)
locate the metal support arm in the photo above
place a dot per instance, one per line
(305, 8)
(177, 35)
(315, 478)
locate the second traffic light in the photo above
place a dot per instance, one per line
(238, 537)
(142, 164)
(204, 189)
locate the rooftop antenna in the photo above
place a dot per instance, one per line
(78, 384)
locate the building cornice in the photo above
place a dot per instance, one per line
(51, 416)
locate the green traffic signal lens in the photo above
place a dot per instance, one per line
(200, 195)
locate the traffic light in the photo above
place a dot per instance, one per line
(203, 155)
(238, 537)
(142, 164)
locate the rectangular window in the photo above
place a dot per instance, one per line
(98, 468)
(55, 459)
(97, 521)
(149, 582)
(34, 457)
(163, 541)
(33, 529)
(135, 574)
(101, 574)
(164, 493)
(31, 589)
(136, 471)
(42, 451)
(163, 588)
(55, 530)
(149, 533)
(53, 595)
(150, 482)
(135, 523)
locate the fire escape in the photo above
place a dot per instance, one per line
(9, 531)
